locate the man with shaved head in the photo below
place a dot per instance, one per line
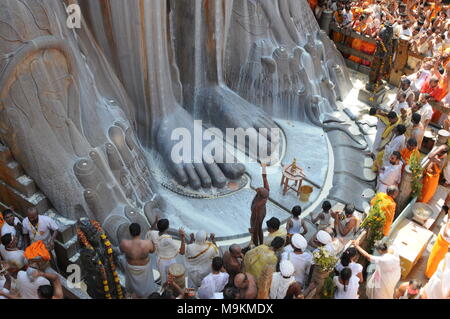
(246, 284)
(39, 227)
(232, 261)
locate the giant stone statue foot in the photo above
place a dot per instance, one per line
(202, 166)
(226, 110)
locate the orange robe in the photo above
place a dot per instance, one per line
(430, 183)
(438, 93)
(406, 154)
(438, 252)
(388, 206)
(313, 4)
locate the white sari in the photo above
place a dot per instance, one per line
(381, 284)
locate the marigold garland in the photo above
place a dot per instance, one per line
(109, 251)
(88, 245)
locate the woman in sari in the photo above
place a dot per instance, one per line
(381, 284)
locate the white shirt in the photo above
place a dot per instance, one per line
(399, 106)
(280, 286)
(28, 289)
(406, 33)
(8, 229)
(351, 290)
(213, 284)
(165, 246)
(14, 257)
(391, 175)
(396, 144)
(302, 263)
(355, 267)
(426, 112)
(418, 82)
(45, 224)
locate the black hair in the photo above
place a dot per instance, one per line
(392, 115)
(416, 118)
(154, 295)
(273, 223)
(349, 209)
(407, 81)
(373, 111)
(381, 246)
(135, 229)
(326, 206)
(296, 210)
(45, 292)
(403, 94)
(277, 242)
(6, 239)
(345, 276)
(163, 225)
(347, 256)
(7, 212)
(230, 292)
(167, 294)
(401, 129)
(397, 154)
(217, 263)
(412, 142)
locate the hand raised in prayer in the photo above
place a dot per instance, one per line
(212, 236)
(192, 237)
(181, 232)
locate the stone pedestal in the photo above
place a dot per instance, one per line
(373, 98)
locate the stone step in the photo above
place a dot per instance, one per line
(67, 227)
(66, 251)
(24, 184)
(5, 154)
(11, 169)
(21, 202)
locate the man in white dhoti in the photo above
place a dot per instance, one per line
(396, 144)
(137, 264)
(284, 285)
(166, 248)
(438, 287)
(213, 284)
(391, 174)
(199, 256)
(381, 284)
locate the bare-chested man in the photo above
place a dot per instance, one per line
(258, 208)
(137, 264)
(232, 261)
(246, 284)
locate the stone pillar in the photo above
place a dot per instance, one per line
(405, 190)
(325, 20)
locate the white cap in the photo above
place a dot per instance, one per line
(299, 242)
(286, 268)
(324, 237)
